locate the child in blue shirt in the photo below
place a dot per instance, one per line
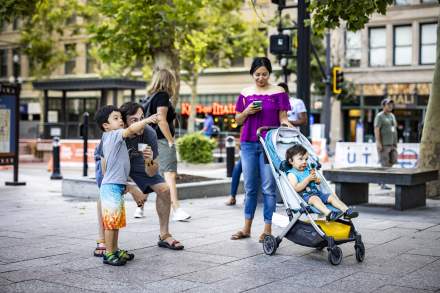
(305, 181)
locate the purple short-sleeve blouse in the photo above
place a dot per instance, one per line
(272, 104)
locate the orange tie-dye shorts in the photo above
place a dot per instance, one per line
(112, 205)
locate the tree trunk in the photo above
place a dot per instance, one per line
(192, 115)
(430, 144)
(169, 59)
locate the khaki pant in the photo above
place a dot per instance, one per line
(388, 155)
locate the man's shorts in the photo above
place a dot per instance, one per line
(388, 156)
(323, 196)
(143, 181)
(112, 206)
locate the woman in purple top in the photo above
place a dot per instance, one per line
(260, 105)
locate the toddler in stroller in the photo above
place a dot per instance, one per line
(307, 196)
(304, 180)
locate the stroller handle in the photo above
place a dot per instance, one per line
(264, 128)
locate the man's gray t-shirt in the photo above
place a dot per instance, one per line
(386, 122)
(116, 156)
(136, 158)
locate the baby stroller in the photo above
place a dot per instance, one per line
(304, 228)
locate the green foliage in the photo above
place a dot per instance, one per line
(10, 9)
(196, 148)
(219, 32)
(329, 14)
(43, 28)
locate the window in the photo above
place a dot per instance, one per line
(4, 63)
(71, 19)
(429, 1)
(428, 40)
(15, 24)
(402, 45)
(16, 65)
(237, 62)
(70, 51)
(3, 26)
(377, 46)
(91, 64)
(402, 2)
(353, 49)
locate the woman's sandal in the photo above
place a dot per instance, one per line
(231, 202)
(100, 249)
(261, 238)
(240, 235)
(173, 246)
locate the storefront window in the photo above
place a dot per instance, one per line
(353, 49)
(402, 45)
(4, 63)
(377, 46)
(428, 40)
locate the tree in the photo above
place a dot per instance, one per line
(355, 14)
(43, 27)
(220, 33)
(135, 32)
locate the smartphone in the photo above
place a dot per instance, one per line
(257, 104)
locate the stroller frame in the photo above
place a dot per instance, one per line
(296, 227)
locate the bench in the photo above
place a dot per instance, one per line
(351, 184)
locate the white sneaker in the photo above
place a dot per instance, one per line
(180, 215)
(139, 213)
(280, 220)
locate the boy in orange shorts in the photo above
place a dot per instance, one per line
(113, 185)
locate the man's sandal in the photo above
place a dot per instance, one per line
(100, 249)
(240, 235)
(175, 245)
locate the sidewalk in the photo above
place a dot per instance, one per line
(47, 241)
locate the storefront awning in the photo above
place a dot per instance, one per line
(87, 84)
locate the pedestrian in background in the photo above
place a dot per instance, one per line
(161, 90)
(262, 104)
(208, 125)
(298, 115)
(385, 133)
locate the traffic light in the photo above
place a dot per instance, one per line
(281, 3)
(337, 79)
(280, 44)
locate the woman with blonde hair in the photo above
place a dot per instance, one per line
(161, 90)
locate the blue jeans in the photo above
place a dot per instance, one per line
(255, 171)
(236, 173)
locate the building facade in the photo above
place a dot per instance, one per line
(393, 56)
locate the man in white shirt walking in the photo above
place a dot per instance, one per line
(298, 115)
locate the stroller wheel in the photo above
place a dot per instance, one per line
(360, 251)
(270, 245)
(335, 255)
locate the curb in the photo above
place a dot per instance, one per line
(86, 188)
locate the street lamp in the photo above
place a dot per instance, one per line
(283, 62)
(16, 61)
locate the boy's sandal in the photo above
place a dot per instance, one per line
(99, 250)
(124, 254)
(174, 245)
(240, 235)
(261, 238)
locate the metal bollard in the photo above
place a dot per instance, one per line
(56, 174)
(85, 135)
(230, 155)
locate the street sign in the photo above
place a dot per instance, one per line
(8, 112)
